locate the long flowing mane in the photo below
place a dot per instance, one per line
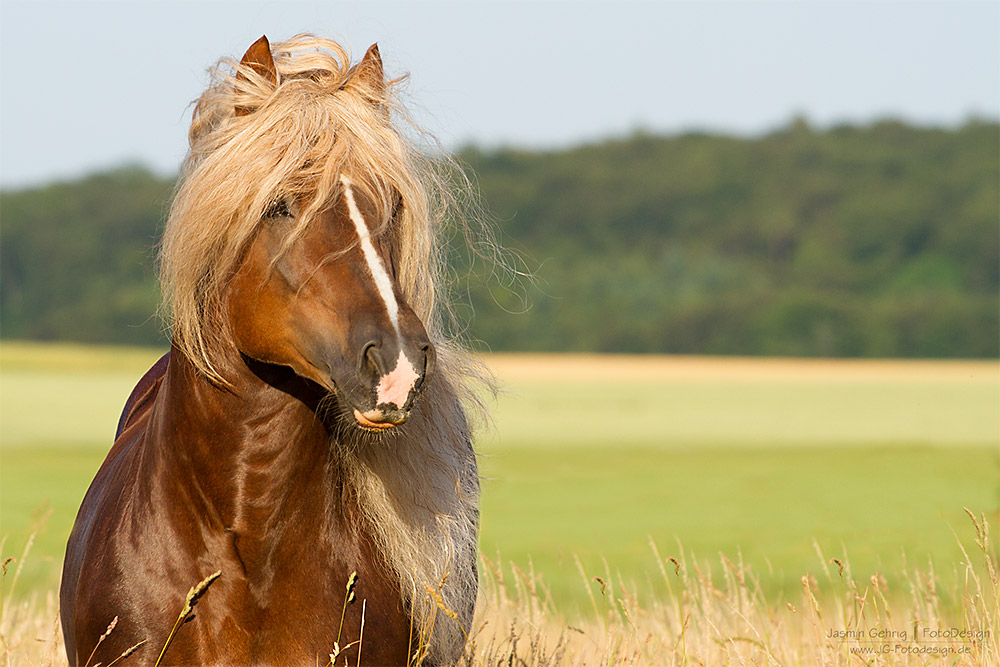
(253, 141)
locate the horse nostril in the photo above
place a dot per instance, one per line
(429, 360)
(371, 360)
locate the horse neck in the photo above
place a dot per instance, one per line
(246, 457)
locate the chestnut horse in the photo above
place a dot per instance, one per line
(306, 433)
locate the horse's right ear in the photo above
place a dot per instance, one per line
(258, 58)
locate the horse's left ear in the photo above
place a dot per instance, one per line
(369, 70)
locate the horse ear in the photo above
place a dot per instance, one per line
(369, 70)
(258, 58)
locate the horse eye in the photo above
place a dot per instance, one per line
(278, 209)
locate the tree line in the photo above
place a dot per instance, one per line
(858, 240)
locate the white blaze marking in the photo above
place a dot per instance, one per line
(394, 386)
(382, 281)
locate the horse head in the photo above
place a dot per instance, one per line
(317, 193)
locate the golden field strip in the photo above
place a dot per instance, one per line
(693, 401)
(632, 368)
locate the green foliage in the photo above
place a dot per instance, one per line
(77, 259)
(858, 241)
(879, 240)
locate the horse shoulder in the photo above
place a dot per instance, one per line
(108, 480)
(85, 566)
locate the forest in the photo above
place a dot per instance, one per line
(876, 240)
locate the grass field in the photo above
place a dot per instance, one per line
(593, 457)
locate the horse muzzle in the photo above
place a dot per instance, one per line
(395, 383)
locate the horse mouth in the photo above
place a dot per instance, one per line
(369, 422)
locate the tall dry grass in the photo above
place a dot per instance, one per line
(30, 633)
(716, 614)
(687, 612)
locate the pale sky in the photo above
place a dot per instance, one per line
(89, 85)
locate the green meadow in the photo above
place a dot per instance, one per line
(782, 463)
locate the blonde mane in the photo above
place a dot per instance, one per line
(419, 490)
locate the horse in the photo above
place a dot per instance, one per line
(294, 482)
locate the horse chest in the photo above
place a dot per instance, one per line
(305, 609)
(318, 594)
(291, 606)
(302, 623)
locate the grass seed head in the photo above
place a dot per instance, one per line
(439, 601)
(197, 591)
(111, 626)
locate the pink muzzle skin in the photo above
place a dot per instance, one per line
(395, 386)
(394, 389)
